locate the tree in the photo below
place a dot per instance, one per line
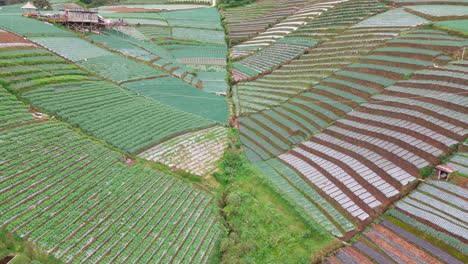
(234, 3)
(42, 4)
(10, 2)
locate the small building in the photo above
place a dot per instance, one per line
(81, 16)
(29, 9)
(81, 20)
(444, 171)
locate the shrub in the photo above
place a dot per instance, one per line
(426, 172)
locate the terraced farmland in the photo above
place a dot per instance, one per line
(190, 44)
(309, 112)
(195, 152)
(11, 40)
(318, 64)
(384, 144)
(336, 19)
(24, 69)
(170, 90)
(244, 22)
(95, 59)
(77, 199)
(424, 2)
(72, 94)
(282, 29)
(114, 145)
(383, 153)
(429, 225)
(459, 161)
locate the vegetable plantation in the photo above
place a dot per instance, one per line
(343, 117)
(77, 199)
(416, 234)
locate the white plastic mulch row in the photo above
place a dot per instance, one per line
(195, 152)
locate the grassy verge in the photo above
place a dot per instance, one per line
(23, 251)
(262, 227)
(233, 3)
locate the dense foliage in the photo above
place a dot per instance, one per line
(12, 245)
(9, 2)
(262, 227)
(234, 3)
(42, 4)
(93, 3)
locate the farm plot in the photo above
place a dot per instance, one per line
(28, 67)
(283, 28)
(307, 200)
(305, 37)
(405, 237)
(214, 82)
(98, 60)
(246, 21)
(152, 6)
(120, 117)
(74, 198)
(267, 59)
(119, 69)
(71, 48)
(200, 35)
(12, 40)
(208, 61)
(155, 32)
(460, 162)
(377, 150)
(117, 115)
(459, 26)
(8, 10)
(195, 152)
(387, 19)
(335, 20)
(202, 25)
(30, 27)
(12, 111)
(179, 95)
(184, 53)
(147, 52)
(309, 112)
(131, 31)
(122, 44)
(426, 2)
(194, 44)
(439, 12)
(309, 69)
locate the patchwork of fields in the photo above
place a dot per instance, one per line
(429, 226)
(347, 128)
(113, 146)
(78, 200)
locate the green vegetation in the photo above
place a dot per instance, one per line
(177, 94)
(234, 3)
(69, 97)
(426, 172)
(42, 4)
(10, 2)
(263, 228)
(440, 239)
(86, 188)
(23, 251)
(458, 26)
(96, 3)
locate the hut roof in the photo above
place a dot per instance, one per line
(446, 168)
(28, 5)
